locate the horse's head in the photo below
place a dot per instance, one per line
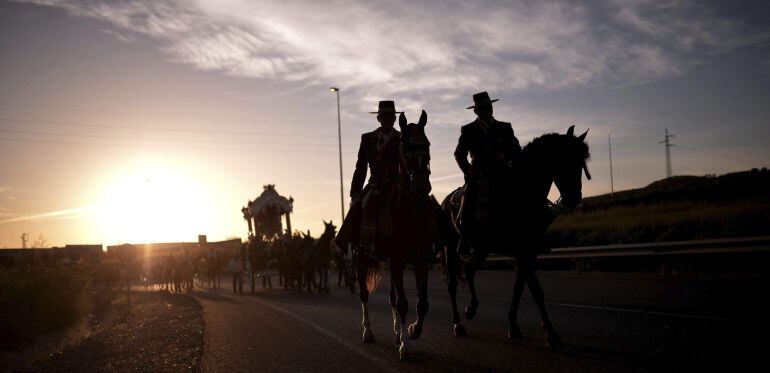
(415, 154)
(572, 161)
(329, 229)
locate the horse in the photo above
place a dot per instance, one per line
(258, 258)
(412, 238)
(293, 262)
(308, 262)
(323, 248)
(558, 159)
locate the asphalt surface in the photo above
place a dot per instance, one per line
(609, 322)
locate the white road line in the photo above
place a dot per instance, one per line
(380, 363)
(679, 315)
(616, 309)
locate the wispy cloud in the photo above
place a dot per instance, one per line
(431, 47)
(52, 214)
(5, 212)
(310, 208)
(5, 194)
(446, 177)
(124, 37)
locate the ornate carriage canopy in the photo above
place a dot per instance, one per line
(267, 211)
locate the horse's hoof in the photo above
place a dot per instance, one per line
(414, 331)
(459, 330)
(552, 340)
(514, 332)
(470, 312)
(368, 336)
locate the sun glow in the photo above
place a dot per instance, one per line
(153, 205)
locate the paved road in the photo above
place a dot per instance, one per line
(613, 323)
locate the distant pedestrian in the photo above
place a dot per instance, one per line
(212, 264)
(235, 266)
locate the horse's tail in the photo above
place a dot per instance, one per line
(373, 275)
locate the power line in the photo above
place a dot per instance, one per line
(666, 141)
(744, 151)
(155, 138)
(166, 147)
(167, 129)
(716, 154)
(38, 108)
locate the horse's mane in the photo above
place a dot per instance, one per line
(557, 146)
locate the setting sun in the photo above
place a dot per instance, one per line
(153, 204)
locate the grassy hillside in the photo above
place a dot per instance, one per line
(676, 208)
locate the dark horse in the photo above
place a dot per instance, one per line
(550, 159)
(323, 248)
(413, 213)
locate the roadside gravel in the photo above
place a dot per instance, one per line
(157, 332)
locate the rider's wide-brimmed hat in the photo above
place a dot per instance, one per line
(480, 99)
(386, 107)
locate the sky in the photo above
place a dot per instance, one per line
(149, 121)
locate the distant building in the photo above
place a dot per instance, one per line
(70, 254)
(231, 246)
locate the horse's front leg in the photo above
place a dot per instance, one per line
(452, 263)
(394, 311)
(421, 281)
(552, 339)
(522, 273)
(477, 260)
(363, 296)
(325, 277)
(402, 304)
(339, 276)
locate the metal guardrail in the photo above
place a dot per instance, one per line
(718, 246)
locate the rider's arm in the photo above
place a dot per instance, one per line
(461, 152)
(512, 153)
(516, 145)
(359, 176)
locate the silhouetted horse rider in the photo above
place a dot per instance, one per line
(493, 150)
(379, 150)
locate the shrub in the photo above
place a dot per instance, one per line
(39, 299)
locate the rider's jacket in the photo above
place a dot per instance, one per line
(381, 153)
(492, 146)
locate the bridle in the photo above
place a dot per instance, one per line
(416, 158)
(585, 169)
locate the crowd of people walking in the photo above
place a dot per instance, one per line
(300, 262)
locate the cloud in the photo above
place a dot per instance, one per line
(59, 214)
(127, 38)
(5, 212)
(6, 190)
(411, 49)
(313, 207)
(452, 177)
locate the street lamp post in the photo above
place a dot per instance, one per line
(339, 143)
